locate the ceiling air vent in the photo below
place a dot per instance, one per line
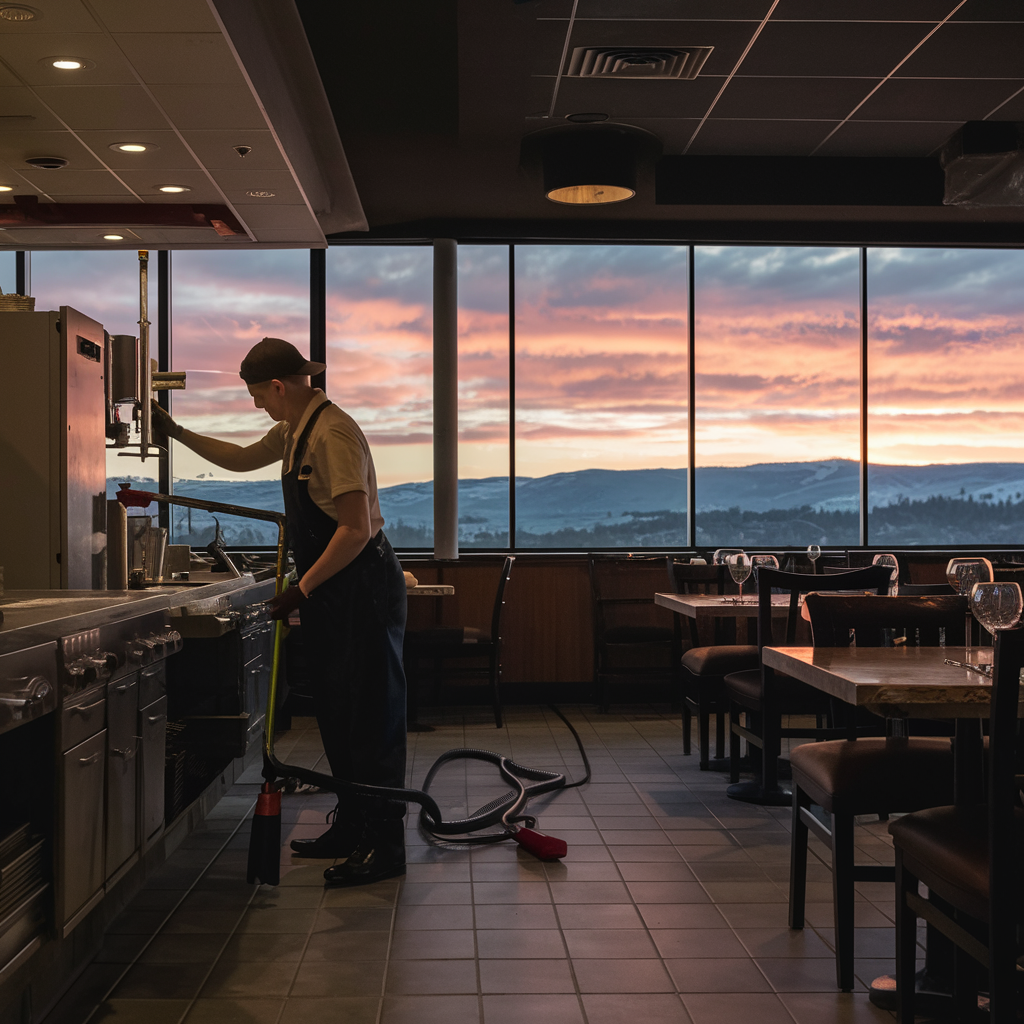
(638, 61)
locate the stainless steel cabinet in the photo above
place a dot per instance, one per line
(122, 771)
(153, 730)
(82, 871)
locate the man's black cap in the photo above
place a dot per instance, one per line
(273, 359)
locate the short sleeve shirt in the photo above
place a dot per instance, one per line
(336, 452)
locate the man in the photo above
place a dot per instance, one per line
(350, 597)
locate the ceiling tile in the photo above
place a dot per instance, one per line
(27, 55)
(674, 132)
(169, 151)
(125, 108)
(626, 99)
(864, 10)
(888, 138)
(735, 10)
(18, 146)
(311, 236)
(236, 182)
(815, 98)
(57, 15)
(171, 58)
(280, 217)
(196, 106)
(990, 10)
(9, 80)
(132, 16)
(968, 50)
(944, 99)
(843, 49)
(146, 182)
(727, 37)
(19, 100)
(215, 149)
(722, 137)
(1013, 110)
(71, 184)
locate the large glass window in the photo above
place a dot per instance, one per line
(601, 396)
(222, 304)
(380, 371)
(946, 396)
(483, 396)
(777, 345)
(8, 273)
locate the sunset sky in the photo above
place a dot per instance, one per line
(601, 350)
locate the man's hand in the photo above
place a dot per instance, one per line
(163, 425)
(286, 602)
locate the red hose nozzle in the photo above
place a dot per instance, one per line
(134, 499)
(541, 846)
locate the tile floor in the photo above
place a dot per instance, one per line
(670, 907)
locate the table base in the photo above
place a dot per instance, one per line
(929, 999)
(754, 792)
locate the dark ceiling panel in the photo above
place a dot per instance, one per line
(729, 38)
(816, 98)
(864, 10)
(719, 10)
(759, 138)
(931, 99)
(1011, 111)
(542, 51)
(845, 49)
(637, 98)
(888, 138)
(968, 50)
(674, 133)
(990, 10)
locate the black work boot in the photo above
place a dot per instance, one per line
(337, 842)
(379, 854)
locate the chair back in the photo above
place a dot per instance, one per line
(499, 599)
(1009, 574)
(623, 589)
(840, 619)
(873, 577)
(925, 590)
(695, 579)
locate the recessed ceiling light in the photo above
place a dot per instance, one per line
(68, 65)
(6, 188)
(172, 188)
(585, 118)
(257, 193)
(65, 62)
(114, 238)
(133, 147)
(19, 12)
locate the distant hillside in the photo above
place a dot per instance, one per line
(781, 503)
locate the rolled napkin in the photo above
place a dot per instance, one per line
(410, 580)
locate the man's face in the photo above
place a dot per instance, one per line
(270, 396)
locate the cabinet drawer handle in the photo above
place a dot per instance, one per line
(121, 689)
(80, 709)
(91, 759)
(156, 718)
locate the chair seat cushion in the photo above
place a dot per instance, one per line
(720, 661)
(447, 636)
(875, 775)
(638, 635)
(790, 695)
(947, 848)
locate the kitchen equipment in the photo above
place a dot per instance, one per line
(53, 505)
(154, 553)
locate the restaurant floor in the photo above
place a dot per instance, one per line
(670, 907)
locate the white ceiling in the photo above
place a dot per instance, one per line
(165, 74)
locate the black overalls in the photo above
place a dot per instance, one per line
(352, 631)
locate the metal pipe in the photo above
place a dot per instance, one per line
(145, 369)
(446, 400)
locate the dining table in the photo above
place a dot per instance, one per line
(900, 683)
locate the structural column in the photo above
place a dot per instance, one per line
(446, 400)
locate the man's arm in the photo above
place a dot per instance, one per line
(349, 539)
(227, 455)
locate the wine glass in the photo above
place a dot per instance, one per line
(966, 573)
(984, 571)
(894, 579)
(739, 569)
(996, 606)
(721, 555)
(814, 553)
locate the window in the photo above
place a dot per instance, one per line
(777, 344)
(601, 396)
(8, 272)
(946, 396)
(380, 371)
(483, 396)
(222, 304)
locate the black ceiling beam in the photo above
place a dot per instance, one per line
(798, 181)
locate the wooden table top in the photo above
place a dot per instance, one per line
(713, 606)
(431, 590)
(895, 682)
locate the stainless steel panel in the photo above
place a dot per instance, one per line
(122, 838)
(80, 838)
(153, 730)
(28, 685)
(83, 717)
(83, 454)
(152, 683)
(124, 368)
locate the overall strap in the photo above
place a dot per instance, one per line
(300, 445)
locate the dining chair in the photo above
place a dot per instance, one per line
(969, 858)
(461, 643)
(759, 697)
(705, 666)
(634, 639)
(869, 775)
